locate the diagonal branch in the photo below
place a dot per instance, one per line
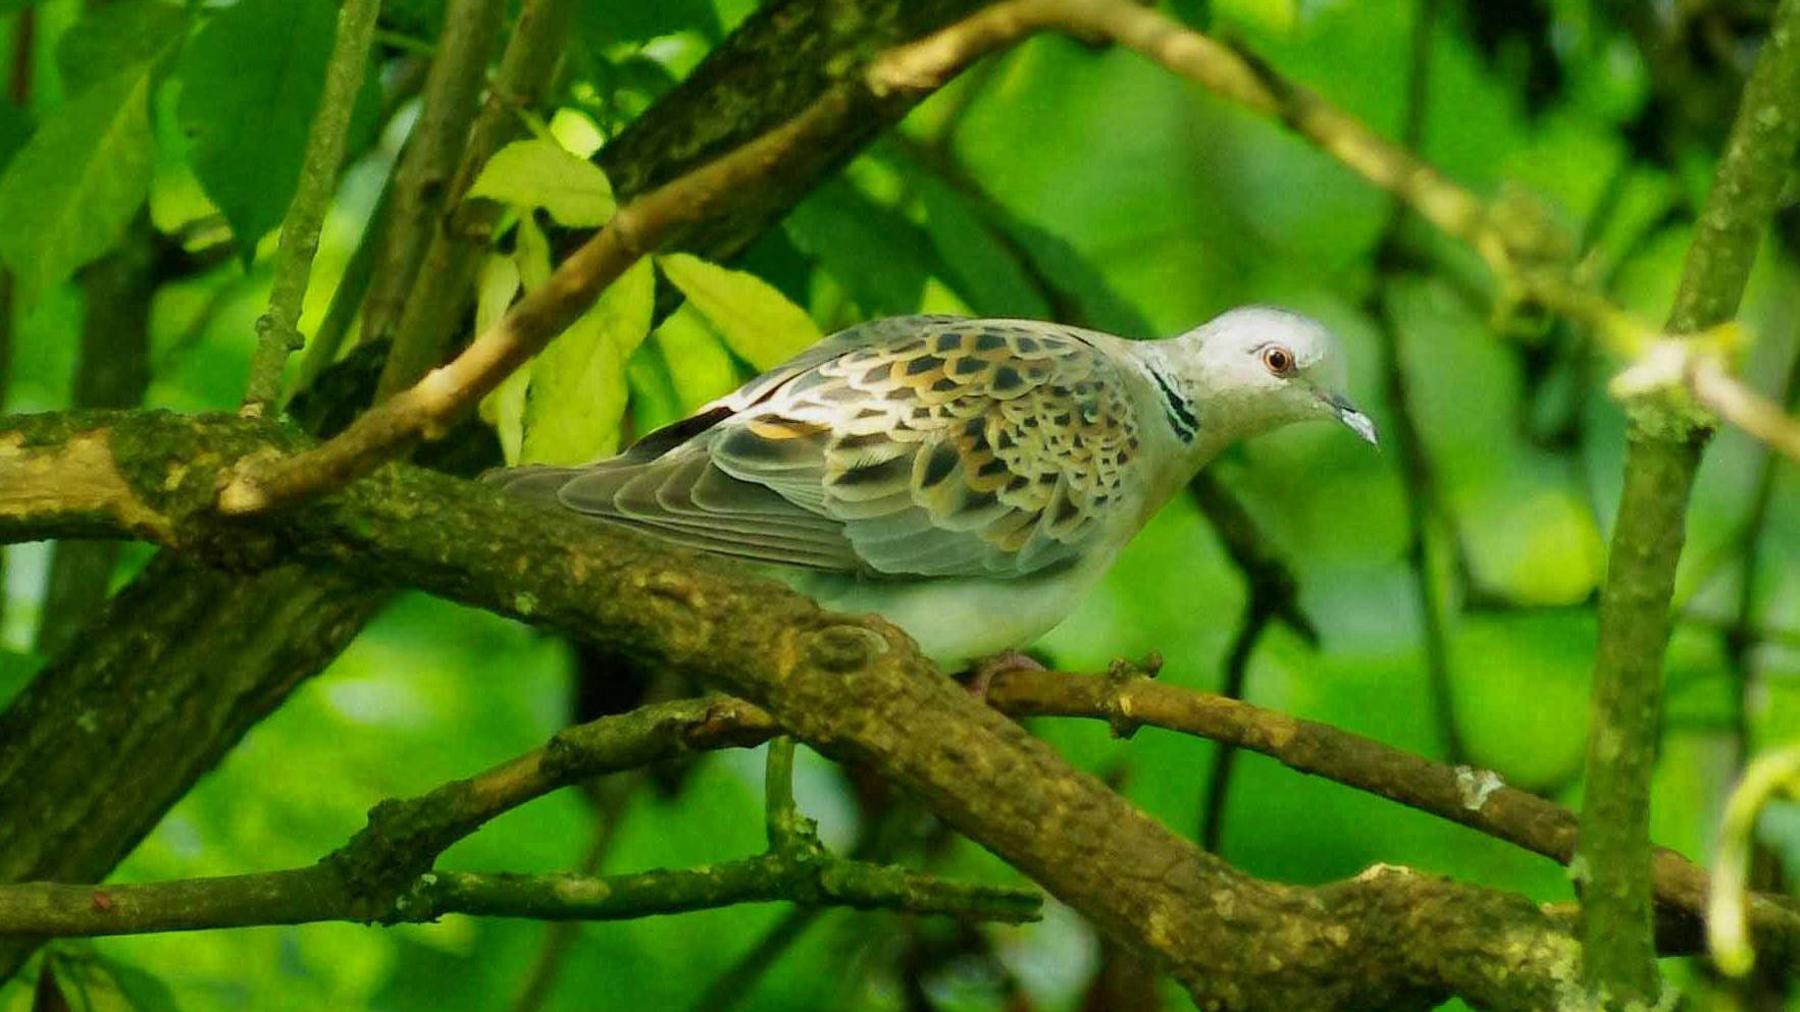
(854, 689)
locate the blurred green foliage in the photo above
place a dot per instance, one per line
(1054, 181)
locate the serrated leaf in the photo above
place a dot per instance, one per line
(578, 389)
(251, 80)
(540, 173)
(699, 366)
(119, 35)
(758, 323)
(504, 407)
(70, 191)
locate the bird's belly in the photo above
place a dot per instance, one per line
(957, 620)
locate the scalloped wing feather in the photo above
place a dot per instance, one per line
(913, 446)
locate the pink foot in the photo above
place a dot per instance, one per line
(979, 677)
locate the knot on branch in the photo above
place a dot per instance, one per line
(844, 648)
(1117, 702)
(387, 857)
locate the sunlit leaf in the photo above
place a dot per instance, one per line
(757, 322)
(66, 197)
(116, 35)
(654, 403)
(248, 116)
(578, 390)
(504, 408)
(699, 366)
(540, 173)
(532, 254)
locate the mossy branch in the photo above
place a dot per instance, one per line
(1666, 440)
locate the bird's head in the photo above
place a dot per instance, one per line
(1257, 368)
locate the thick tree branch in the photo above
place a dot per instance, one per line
(1471, 797)
(1665, 444)
(277, 331)
(857, 690)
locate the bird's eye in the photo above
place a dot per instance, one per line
(1278, 359)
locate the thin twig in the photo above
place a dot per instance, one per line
(328, 340)
(1743, 407)
(311, 894)
(278, 330)
(1530, 256)
(429, 408)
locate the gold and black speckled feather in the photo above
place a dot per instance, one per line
(913, 446)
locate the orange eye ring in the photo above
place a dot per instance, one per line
(1278, 359)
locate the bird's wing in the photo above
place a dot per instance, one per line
(915, 446)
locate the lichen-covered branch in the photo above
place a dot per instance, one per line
(853, 688)
(277, 331)
(1666, 439)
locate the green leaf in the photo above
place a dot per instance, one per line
(881, 259)
(578, 389)
(251, 81)
(92, 982)
(539, 173)
(654, 403)
(15, 130)
(605, 24)
(987, 274)
(532, 254)
(699, 366)
(119, 35)
(758, 323)
(504, 408)
(16, 672)
(70, 191)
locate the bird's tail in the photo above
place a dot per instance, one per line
(532, 482)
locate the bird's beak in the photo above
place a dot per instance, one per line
(1357, 422)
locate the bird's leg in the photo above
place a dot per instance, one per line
(982, 674)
